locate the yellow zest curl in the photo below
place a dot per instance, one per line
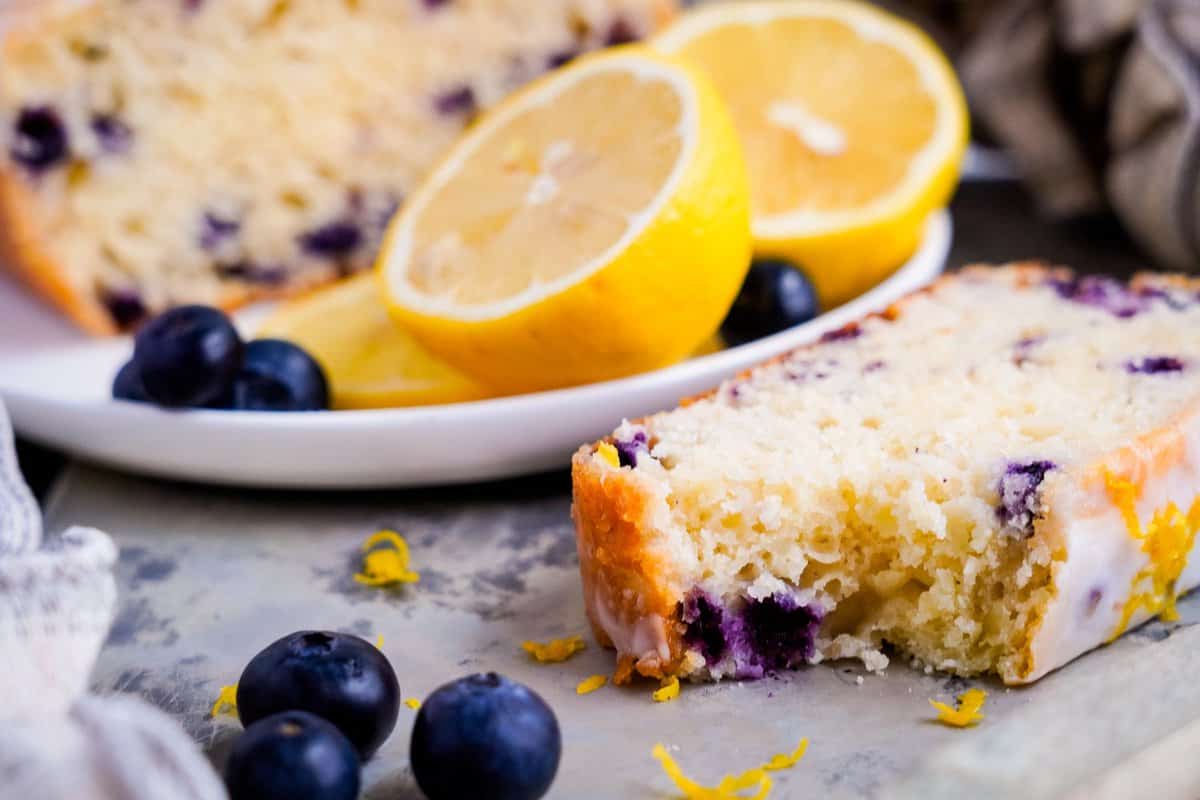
(969, 711)
(379, 642)
(669, 690)
(413, 703)
(785, 761)
(1166, 540)
(555, 650)
(385, 565)
(731, 787)
(609, 453)
(226, 702)
(589, 685)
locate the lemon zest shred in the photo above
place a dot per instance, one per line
(589, 685)
(729, 788)
(379, 642)
(226, 703)
(786, 761)
(669, 690)
(1166, 540)
(555, 650)
(386, 560)
(413, 703)
(969, 711)
(609, 454)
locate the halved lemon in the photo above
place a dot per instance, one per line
(854, 127)
(594, 226)
(371, 362)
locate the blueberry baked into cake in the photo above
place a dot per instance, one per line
(995, 475)
(157, 152)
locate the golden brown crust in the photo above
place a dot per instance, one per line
(619, 564)
(23, 252)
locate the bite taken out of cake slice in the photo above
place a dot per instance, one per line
(165, 152)
(996, 475)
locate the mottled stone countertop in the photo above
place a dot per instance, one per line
(209, 576)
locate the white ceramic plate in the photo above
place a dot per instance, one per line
(56, 384)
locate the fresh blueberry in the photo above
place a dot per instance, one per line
(40, 141)
(128, 384)
(335, 240)
(620, 32)
(114, 135)
(485, 736)
(125, 306)
(458, 101)
(292, 756)
(216, 229)
(188, 356)
(775, 296)
(338, 677)
(279, 376)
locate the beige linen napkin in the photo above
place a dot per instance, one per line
(1099, 103)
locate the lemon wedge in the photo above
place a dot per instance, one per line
(593, 226)
(853, 123)
(370, 361)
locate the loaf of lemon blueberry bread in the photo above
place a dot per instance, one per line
(157, 152)
(995, 475)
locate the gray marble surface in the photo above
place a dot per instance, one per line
(209, 576)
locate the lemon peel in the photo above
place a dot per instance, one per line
(669, 690)
(729, 788)
(226, 703)
(589, 685)
(787, 760)
(413, 703)
(555, 650)
(1166, 540)
(969, 711)
(385, 560)
(379, 642)
(609, 453)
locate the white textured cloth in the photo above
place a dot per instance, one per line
(111, 748)
(57, 601)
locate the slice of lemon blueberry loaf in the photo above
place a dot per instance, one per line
(995, 475)
(157, 152)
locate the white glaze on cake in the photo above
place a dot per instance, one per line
(1101, 555)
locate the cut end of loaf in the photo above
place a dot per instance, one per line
(913, 485)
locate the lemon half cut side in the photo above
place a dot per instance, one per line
(854, 127)
(593, 226)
